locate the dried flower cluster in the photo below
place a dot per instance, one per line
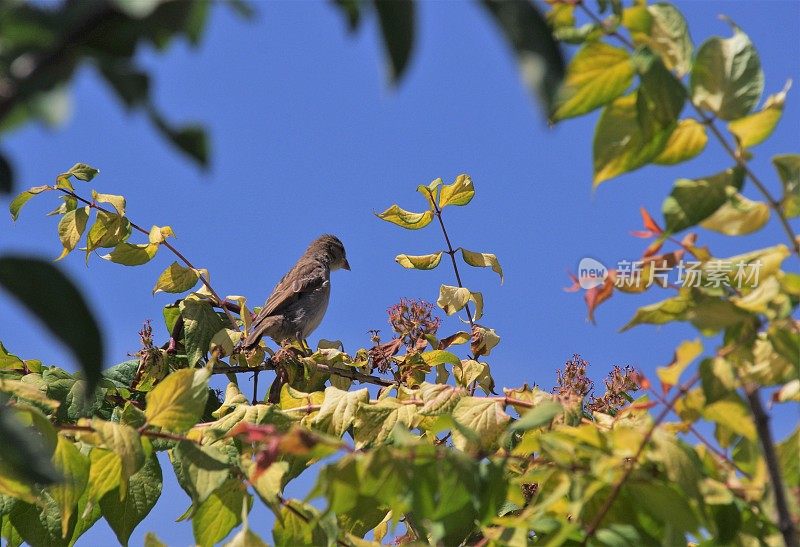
(618, 383)
(574, 386)
(412, 320)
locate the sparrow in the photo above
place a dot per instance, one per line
(299, 300)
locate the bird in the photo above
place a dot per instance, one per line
(299, 300)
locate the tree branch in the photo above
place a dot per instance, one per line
(785, 522)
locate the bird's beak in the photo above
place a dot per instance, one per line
(346, 265)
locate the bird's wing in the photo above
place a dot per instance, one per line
(306, 276)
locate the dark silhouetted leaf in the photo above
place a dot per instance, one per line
(58, 303)
(538, 54)
(397, 26)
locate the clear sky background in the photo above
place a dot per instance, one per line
(308, 138)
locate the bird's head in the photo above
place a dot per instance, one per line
(330, 249)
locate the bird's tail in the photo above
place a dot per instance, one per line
(258, 330)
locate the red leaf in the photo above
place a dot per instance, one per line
(597, 295)
(649, 223)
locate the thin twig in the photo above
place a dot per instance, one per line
(142, 431)
(785, 522)
(203, 279)
(350, 373)
(450, 251)
(631, 463)
(299, 514)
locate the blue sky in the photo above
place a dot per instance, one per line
(308, 138)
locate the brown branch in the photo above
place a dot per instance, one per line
(350, 373)
(203, 279)
(785, 523)
(142, 431)
(631, 462)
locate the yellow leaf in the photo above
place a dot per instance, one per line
(430, 191)
(176, 279)
(483, 260)
(598, 74)
(406, 219)
(452, 299)
(159, 234)
(118, 202)
(178, 401)
(129, 254)
(459, 192)
(686, 352)
(421, 262)
(754, 128)
(71, 227)
(738, 216)
(687, 141)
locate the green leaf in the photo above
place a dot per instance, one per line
(738, 216)
(71, 227)
(452, 299)
(82, 171)
(200, 469)
(74, 467)
(726, 76)
(397, 27)
(129, 254)
(176, 279)
(374, 423)
(125, 443)
(658, 313)
(483, 416)
(541, 414)
(789, 457)
(692, 201)
(220, 513)
(105, 473)
(685, 353)
(200, 323)
(39, 524)
(292, 530)
(483, 260)
(664, 504)
(108, 230)
(192, 140)
(406, 219)
(24, 457)
(788, 167)
(755, 128)
(619, 144)
(732, 413)
(460, 192)
(439, 357)
(246, 538)
(687, 140)
(419, 262)
(338, 410)
(143, 493)
(55, 300)
(23, 198)
(540, 59)
(178, 401)
(661, 95)
(596, 75)
(669, 37)
(439, 398)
